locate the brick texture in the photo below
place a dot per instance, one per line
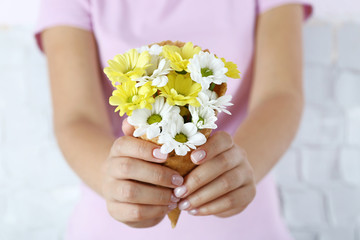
(349, 48)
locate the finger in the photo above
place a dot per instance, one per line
(228, 213)
(233, 202)
(127, 129)
(146, 223)
(128, 146)
(140, 193)
(227, 182)
(127, 212)
(216, 144)
(135, 169)
(207, 172)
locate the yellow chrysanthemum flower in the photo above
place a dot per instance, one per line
(181, 90)
(232, 72)
(128, 97)
(128, 66)
(179, 57)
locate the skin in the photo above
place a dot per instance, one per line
(123, 171)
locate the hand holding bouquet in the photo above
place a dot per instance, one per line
(172, 93)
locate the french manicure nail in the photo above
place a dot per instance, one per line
(180, 191)
(172, 206)
(198, 155)
(193, 211)
(174, 199)
(157, 154)
(184, 205)
(177, 180)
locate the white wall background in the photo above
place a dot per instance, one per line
(319, 176)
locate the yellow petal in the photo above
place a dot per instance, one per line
(114, 101)
(188, 50)
(144, 60)
(232, 72)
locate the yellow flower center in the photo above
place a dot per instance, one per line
(155, 118)
(180, 137)
(128, 66)
(181, 90)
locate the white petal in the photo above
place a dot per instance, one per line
(181, 150)
(226, 111)
(157, 106)
(197, 139)
(190, 145)
(142, 49)
(140, 83)
(155, 49)
(189, 129)
(166, 109)
(162, 81)
(208, 125)
(165, 149)
(153, 131)
(162, 138)
(155, 82)
(139, 117)
(194, 115)
(225, 100)
(140, 131)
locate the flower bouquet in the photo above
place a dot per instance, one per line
(172, 93)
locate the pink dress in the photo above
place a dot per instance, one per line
(226, 28)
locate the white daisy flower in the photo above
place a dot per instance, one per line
(205, 69)
(210, 99)
(157, 72)
(150, 121)
(180, 137)
(203, 117)
(153, 50)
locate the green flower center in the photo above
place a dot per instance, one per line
(129, 100)
(180, 137)
(201, 120)
(155, 118)
(205, 72)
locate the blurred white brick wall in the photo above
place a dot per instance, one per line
(37, 188)
(319, 176)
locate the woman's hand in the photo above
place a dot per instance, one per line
(223, 184)
(131, 173)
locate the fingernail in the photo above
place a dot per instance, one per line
(157, 154)
(172, 206)
(184, 205)
(198, 155)
(177, 180)
(174, 199)
(180, 191)
(193, 211)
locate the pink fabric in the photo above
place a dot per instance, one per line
(224, 27)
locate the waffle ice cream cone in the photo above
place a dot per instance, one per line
(183, 164)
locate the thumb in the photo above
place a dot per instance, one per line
(127, 129)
